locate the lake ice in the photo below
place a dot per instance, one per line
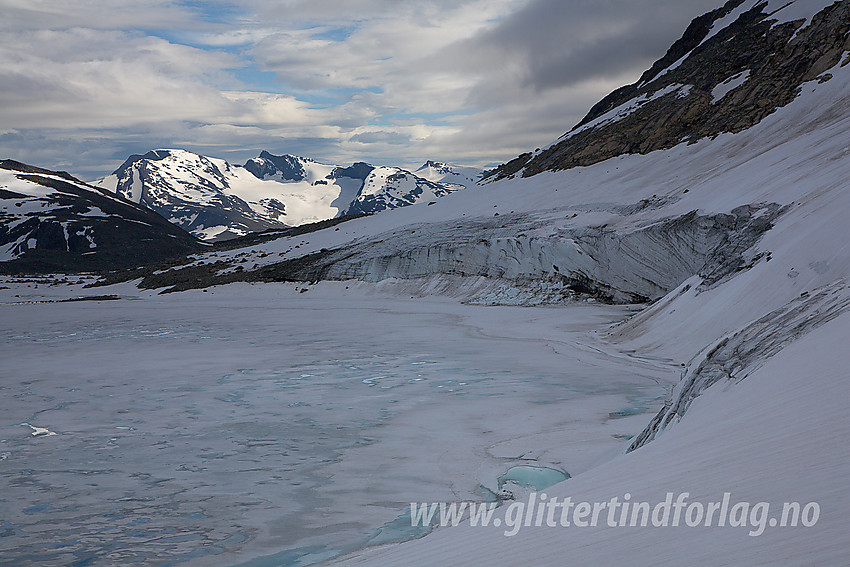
(260, 425)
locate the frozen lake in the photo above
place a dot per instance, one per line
(260, 425)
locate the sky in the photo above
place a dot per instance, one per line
(86, 83)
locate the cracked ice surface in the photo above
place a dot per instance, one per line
(257, 421)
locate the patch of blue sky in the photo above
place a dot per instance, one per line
(256, 80)
(211, 17)
(334, 34)
(202, 41)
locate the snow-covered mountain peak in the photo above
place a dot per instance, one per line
(216, 200)
(435, 166)
(449, 173)
(285, 168)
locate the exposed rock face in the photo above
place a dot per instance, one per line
(287, 167)
(52, 222)
(703, 86)
(359, 170)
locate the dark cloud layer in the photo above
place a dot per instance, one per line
(566, 42)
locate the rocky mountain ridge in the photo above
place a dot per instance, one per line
(216, 200)
(732, 68)
(53, 222)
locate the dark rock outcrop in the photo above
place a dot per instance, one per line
(288, 167)
(76, 227)
(672, 104)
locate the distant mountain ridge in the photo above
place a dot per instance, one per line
(447, 173)
(53, 222)
(216, 200)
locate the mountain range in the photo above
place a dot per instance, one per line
(216, 200)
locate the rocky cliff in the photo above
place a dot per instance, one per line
(733, 67)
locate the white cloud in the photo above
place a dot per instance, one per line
(83, 78)
(96, 14)
(389, 81)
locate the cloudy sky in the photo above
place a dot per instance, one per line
(86, 83)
